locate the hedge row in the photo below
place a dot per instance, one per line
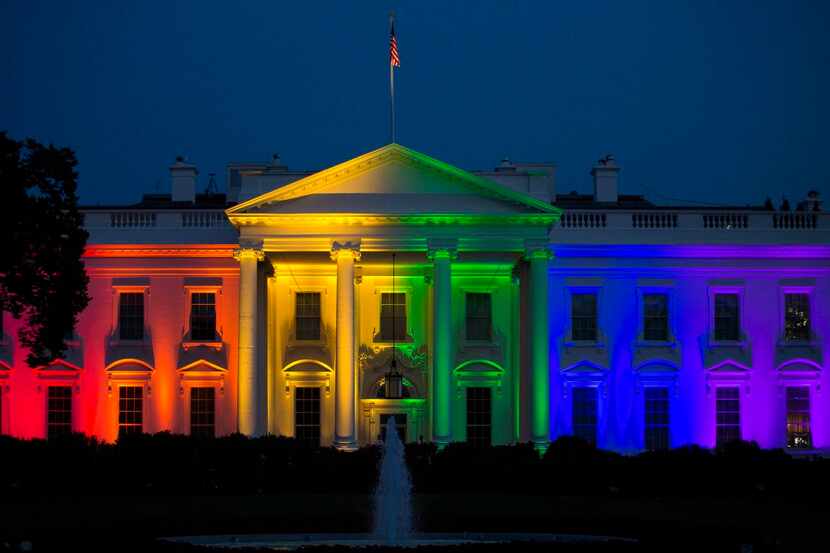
(167, 464)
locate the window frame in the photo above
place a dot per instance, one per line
(144, 396)
(131, 288)
(320, 335)
(216, 399)
(785, 288)
(218, 332)
(294, 400)
(71, 424)
(379, 291)
(468, 424)
(810, 419)
(657, 287)
(597, 392)
(738, 289)
(491, 329)
(646, 426)
(738, 388)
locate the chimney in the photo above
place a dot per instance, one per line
(183, 177)
(605, 173)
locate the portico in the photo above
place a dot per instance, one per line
(317, 301)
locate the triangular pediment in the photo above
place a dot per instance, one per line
(394, 181)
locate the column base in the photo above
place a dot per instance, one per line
(541, 445)
(346, 445)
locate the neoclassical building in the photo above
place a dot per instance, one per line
(481, 306)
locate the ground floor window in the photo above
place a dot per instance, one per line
(130, 410)
(58, 411)
(400, 425)
(307, 415)
(203, 412)
(657, 418)
(798, 417)
(727, 415)
(479, 416)
(584, 411)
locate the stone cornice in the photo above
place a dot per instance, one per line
(121, 250)
(374, 219)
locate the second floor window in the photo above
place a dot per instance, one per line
(392, 316)
(131, 316)
(478, 316)
(796, 317)
(727, 323)
(307, 315)
(656, 317)
(584, 316)
(203, 316)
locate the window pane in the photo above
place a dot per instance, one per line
(392, 316)
(131, 316)
(796, 317)
(479, 416)
(584, 316)
(478, 316)
(203, 316)
(656, 317)
(727, 325)
(584, 414)
(798, 417)
(727, 415)
(657, 418)
(130, 410)
(307, 315)
(203, 412)
(58, 411)
(307, 415)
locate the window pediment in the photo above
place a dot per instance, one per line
(799, 367)
(203, 358)
(58, 368)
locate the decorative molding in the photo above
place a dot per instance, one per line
(247, 253)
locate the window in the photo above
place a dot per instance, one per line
(798, 417)
(392, 316)
(585, 414)
(796, 317)
(400, 425)
(58, 411)
(203, 316)
(307, 315)
(130, 410)
(657, 418)
(584, 316)
(479, 416)
(656, 317)
(727, 324)
(131, 315)
(727, 415)
(203, 412)
(479, 318)
(307, 415)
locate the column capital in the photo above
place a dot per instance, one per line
(349, 248)
(438, 248)
(249, 253)
(537, 249)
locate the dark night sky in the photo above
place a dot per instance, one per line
(710, 101)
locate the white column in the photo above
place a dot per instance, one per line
(442, 340)
(250, 382)
(345, 436)
(539, 258)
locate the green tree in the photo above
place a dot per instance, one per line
(42, 276)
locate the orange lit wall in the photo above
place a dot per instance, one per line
(95, 411)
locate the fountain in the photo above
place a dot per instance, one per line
(393, 496)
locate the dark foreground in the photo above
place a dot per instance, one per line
(132, 523)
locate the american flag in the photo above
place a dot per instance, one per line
(394, 60)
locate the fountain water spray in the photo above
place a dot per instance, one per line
(393, 497)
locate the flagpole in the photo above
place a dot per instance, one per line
(392, 82)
